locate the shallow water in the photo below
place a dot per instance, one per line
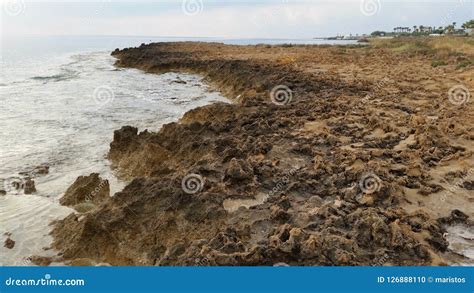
(461, 242)
(232, 205)
(61, 112)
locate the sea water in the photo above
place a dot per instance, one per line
(60, 101)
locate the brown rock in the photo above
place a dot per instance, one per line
(123, 139)
(152, 222)
(238, 170)
(9, 243)
(41, 170)
(279, 215)
(86, 189)
(38, 170)
(29, 186)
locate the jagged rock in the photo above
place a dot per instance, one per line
(38, 170)
(123, 138)
(238, 170)
(29, 186)
(456, 216)
(318, 215)
(86, 189)
(9, 243)
(469, 185)
(41, 170)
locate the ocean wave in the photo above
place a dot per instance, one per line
(55, 77)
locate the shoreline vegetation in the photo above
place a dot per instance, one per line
(417, 31)
(327, 155)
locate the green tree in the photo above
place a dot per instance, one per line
(378, 33)
(468, 24)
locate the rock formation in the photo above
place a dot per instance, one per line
(346, 166)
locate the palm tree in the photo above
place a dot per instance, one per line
(468, 24)
(450, 29)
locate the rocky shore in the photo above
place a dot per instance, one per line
(327, 155)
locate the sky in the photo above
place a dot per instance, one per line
(225, 18)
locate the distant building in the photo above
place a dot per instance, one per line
(425, 29)
(401, 29)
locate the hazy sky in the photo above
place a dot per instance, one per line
(225, 18)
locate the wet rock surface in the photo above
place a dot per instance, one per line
(29, 186)
(9, 243)
(23, 183)
(36, 171)
(86, 189)
(341, 172)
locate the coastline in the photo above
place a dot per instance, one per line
(319, 145)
